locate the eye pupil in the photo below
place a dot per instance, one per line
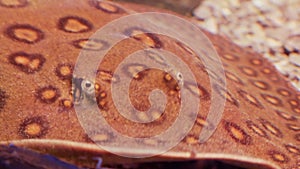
(179, 75)
(88, 85)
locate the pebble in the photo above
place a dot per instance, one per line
(211, 25)
(203, 13)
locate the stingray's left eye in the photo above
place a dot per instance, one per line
(87, 87)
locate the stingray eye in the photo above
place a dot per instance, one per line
(88, 84)
(179, 78)
(87, 87)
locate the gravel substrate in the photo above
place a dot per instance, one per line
(270, 27)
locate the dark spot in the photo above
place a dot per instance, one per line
(185, 48)
(284, 92)
(293, 103)
(197, 90)
(285, 115)
(237, 133)
(271, 128)
(296, 109)
(34, 127)
(3, 98)
(155, 116)
(293, 127)
(150, 141)
(260, 84)
(250, 99)
(14, 4)
(292, 149)
(278, 156)
(168, 77)
(297, 137)
(47, 94)
(140, 34)
(248, 71)
(28, 63)
(102, 94)
(102, 103)
(274, 78)
(103, 137)
(256, 62)
(97, 89)
(171, 83)
(201, 121)
(267, 71)
(64, 71)
(135, 71)
(191, 140)
(65, 104)
(25, 33)
(74, 24)
(226, 95)
(90, 44)
(107, 7)
(230, 57)
(234, 78)
(107, 76)
(272, 99)
(298, 97)
(256, 129)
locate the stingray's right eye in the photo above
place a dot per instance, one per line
(179, 77)
(87, 87)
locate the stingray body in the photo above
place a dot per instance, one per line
(40, 43)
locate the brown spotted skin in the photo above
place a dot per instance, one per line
(40, 42)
